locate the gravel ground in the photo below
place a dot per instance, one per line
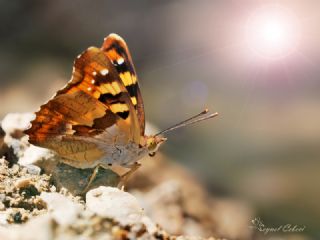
(39, 198)
(29, 200)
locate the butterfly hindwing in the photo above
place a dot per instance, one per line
(117, 51)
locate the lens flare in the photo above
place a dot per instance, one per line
(272, 32)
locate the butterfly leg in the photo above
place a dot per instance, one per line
(116, 169)
(124, 177)
(92, 177)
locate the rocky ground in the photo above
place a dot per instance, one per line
(39, 199)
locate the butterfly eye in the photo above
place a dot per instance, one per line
(152, 154)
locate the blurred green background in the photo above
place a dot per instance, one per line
(264, 148)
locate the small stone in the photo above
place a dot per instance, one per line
(3, 171)
(23, 183)
(32, 169)
(4, 162)
(2, 197)
(17, 217)
(53, 188)
(23, 171)
(15, 169)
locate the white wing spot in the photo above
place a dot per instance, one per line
(89, 89)
(120, 61)
(93, 81)
(104, 72)
(94, 73)
(79, 56)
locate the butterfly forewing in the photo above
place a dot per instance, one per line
(117, 51)
(93, 107)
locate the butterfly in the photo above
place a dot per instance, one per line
(98, 119)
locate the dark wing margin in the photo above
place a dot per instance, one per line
(117, 51)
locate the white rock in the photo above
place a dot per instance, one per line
(16, 121)
(34, 154)
(62, 209)
(12, 123)
(113, 203)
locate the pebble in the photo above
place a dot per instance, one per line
(32, 169)
(2, 197)
(53, 188)
(23, 183)
(15, 169)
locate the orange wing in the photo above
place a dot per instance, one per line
(94, 103)
(117, 51)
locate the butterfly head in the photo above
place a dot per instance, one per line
(153, 143)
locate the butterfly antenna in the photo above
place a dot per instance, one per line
(194, 119)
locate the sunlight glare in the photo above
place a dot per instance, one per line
(272, 32)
